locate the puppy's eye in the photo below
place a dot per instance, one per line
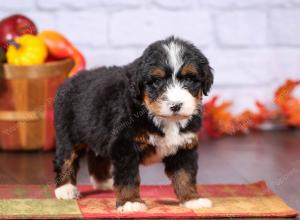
(156, 79)
(188, 78)
(153, 81)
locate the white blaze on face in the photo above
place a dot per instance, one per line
(176, 93)
(174, 52)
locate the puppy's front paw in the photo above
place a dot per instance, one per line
(197, 203)
(132, 207)
(67, 191)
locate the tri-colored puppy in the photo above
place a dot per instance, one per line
(144, 112)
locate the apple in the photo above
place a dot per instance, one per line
(13, 26)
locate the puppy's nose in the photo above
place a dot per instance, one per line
(176, 107)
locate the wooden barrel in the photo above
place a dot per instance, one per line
(26, 104)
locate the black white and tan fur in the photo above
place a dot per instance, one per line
(144, 112)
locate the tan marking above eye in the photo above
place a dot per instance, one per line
(159, 72)
(188, 69)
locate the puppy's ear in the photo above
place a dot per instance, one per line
(207, 79)
(135, 72)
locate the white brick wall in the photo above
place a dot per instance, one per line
(253, 45)
(241, 28)
(141, 27)
(284, 24)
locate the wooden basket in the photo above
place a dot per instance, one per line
(26, 104)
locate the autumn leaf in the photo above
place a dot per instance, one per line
(288, 105)
(218, 120)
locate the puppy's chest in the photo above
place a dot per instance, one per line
(154, 147)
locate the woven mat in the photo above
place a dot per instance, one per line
(38, 202)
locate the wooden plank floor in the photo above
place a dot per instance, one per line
(271, 156)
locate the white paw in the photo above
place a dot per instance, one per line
(132, 207)
(197, 203)
(103, 185)
(67, 191)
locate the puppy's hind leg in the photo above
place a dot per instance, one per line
(100, 171)
(66, 167)
(66, 163)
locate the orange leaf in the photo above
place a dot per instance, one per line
(289, 106)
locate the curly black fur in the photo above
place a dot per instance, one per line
(104, 110)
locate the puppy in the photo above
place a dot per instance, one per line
(145, 112)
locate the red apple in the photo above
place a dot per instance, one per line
(13, 26)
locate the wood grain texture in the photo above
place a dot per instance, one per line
(47, 70)
(26, 104)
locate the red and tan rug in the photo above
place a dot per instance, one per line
(38, 202)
